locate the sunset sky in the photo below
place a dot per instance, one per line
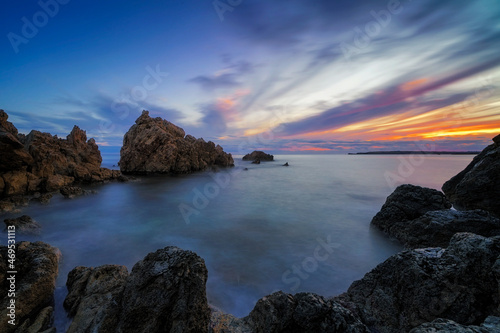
(283, 76)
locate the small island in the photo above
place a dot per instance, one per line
(258, 155)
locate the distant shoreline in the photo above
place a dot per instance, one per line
(417, 152)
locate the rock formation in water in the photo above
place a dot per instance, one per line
(23, 224)
(258, 155)
(39, 162)
(413, 287)
(478, 185)
(407, 203)
(165, 292)
(34, 284)
(156, 146)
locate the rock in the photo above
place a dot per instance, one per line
(258, 155)
(37, 267)
(55, 182)
(257, 161)
(478, 185)
(407, 203)
(16, 183)
(303, 312)
(71, 192)
(413, 287)
(154, 145)
(221, 322)
(24, 224)
(42, 198)
(14, 156)
(165, 292)
(41, 324)
(446, 325)
(93, 295)
(286, 164)
(436, 228)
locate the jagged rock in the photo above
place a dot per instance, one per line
(165, 292)
(71, 192)
(413, 287)
(37, 267)
(93, 295)
(221, 322)
(55, 182)
(258, 155)
(303, 312)
(436, 228)
(478, 185)
(23, 224)
(491, 325)
(407, 203)
(154, 145)
(16, 183)
(41, 323)
(43, 198)
(14, 157)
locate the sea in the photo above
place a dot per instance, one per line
(259, 228)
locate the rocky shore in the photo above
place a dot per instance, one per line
(448, 279)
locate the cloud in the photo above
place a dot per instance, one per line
(228, 77)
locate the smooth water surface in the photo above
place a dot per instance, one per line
(305, 227)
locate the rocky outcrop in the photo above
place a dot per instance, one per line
(478, 185)
(303, 312)
(23, 224)
(37, 266)
(460, 283)
(258, 155)
(407, 203)
(436, 228)
(165, 292)
(490, 325)
(156, 146)
(40, 162)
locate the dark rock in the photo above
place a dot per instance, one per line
(43, 198)
(407, 203)
(258, 155)
(72, 191)
(303, 312)
(257, 161)
(436, 228)
(478, 185)
(286, 164)
(41, 324)
(165, 292)
(490, 325)
(23, 224)
(37, 266)
(459, 283)
(14, 156)
(93, 295)
(221, 322)
(154, 145)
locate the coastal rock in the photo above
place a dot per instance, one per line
(407, 203)
(71, 192)
(37, 267)
(490, 325)
(42, 198)
(23, 224)
(154, 145)
(93, 295)
(258, 155)
(303, 312)
(40, 323)
(478, 185)
(165, 292)
(413, 287)
(436, 228)
(14, 156)
(221, 322)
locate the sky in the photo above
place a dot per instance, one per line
(282, 76)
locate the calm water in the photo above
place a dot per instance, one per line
(299, 228)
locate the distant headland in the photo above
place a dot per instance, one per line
(420, 152)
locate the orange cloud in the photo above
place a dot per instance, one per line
(413, 84)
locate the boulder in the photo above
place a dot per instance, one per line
(490, 325)
(407, 203)
(436, 228)
(303, 312)
(478, 185)
(37, 267)
(258, 155)
(165, 292)
(71, 192)
(24, 224)
(93, 294)
(16, 183)
(156, 146)
(413, 287)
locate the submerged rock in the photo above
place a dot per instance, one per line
(478, 185)
(154, 145)
(23, 224)
(37, 267)
(413, 287)
(407, 203)
(165, 292)
(258, 155)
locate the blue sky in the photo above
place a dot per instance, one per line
(285, 76)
